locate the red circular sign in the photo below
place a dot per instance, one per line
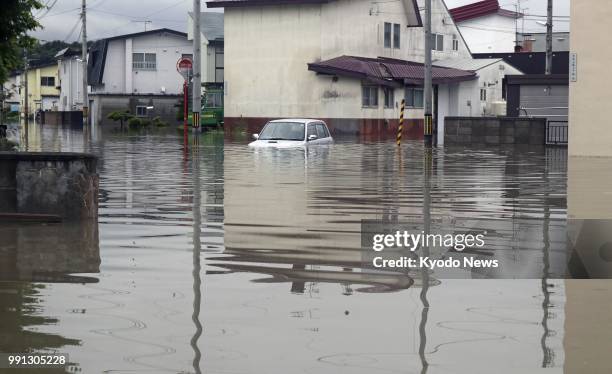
(184, 66)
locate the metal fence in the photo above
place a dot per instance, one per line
(556, 133)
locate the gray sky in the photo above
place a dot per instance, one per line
(115, 17)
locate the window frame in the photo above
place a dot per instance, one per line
(143, 64)
(44, 81)
(387, 35)
(372, 101)
(146, 111)
(388, 97)
(483, 94)
(410, 98)
(397, 31)
(437, 42)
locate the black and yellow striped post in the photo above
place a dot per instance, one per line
(428, 129)
(400, 128)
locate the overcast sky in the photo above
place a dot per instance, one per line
(115, 17)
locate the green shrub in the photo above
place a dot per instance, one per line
(120, 116)
(134, 123)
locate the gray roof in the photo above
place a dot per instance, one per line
(211, 25)
(470, 64)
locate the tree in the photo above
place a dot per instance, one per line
(17, 20)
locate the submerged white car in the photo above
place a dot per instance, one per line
(292, 133)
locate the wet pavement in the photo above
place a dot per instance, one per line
(221, 259)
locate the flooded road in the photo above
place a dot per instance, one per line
(220, 259)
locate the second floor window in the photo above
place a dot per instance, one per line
(47, 81)
(437, 42)
(455, 43)
(144, 61)
(392, 35)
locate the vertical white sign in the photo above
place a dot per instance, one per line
(573, 68)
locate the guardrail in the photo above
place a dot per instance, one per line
(556, 132)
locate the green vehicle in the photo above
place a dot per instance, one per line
(211, 113)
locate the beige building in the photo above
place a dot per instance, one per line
(590, 110)
(43, 88)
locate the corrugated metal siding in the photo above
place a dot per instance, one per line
(539, 100)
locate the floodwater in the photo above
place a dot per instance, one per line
(221, 259)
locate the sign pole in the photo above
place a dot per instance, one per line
(185, 110)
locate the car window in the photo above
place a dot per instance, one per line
(322, 133)
(282, 131)
(312, 130)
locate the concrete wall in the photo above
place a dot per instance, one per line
(164, 106)
(590, 110)
(64, 184)
(267, 50)
(120, 77)
(489, 34)
(494, 130)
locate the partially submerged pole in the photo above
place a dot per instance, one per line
(84, 63)
(197, 67)
(427, 91)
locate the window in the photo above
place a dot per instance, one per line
(483, 94)
(282, 131)
(455, 43)
(437, 42)
(312, 130)
(144, 61)
(387, 35)
(369, 96)
(322, 131)
(396, 35)
(213, 100)
(219, 55)
(141, 111)
(414, 97)
(389, 97)
(47, 81)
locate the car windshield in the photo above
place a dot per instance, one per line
(283, 131)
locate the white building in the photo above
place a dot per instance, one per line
(137, 72)
(70, 68)
(10, 90)
(211, 38)
(349, 62)
(486, 27)
(488, 90)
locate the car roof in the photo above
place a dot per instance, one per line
(298, 120)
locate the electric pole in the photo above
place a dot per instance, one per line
(25, 84)
(428, 120)
(84, 63)
(197, 66)
(549, 38)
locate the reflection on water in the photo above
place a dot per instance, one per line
(216, 258)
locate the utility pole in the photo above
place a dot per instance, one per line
(25, 84)
(549, 38)
(428, 120)
(197, 67)
(84, 63)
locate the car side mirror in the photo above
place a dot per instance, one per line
(255, 136)
(312, 137)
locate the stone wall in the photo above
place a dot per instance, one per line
(63, 184)
(494, 130)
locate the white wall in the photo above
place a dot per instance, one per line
(71, 86)
(119, 77)
(267, 50)
(491, 79)
(11, 87)
(489, 34)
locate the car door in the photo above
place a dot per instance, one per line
(323, 133)
(312, 130)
